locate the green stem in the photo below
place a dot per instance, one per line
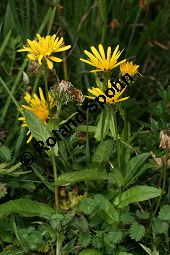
(106, 78)
(55, 178)
(52, 149)
(103, 16)
(160, 197)
(43, 180)
(117, 140)
(38, 76)
(46, 92)
(118, 145)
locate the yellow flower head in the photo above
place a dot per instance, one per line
(39, 107)
(101, 61)
(114, 97)
(42, 48)
(129, 68)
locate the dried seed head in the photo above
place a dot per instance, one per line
(144, 5)
(165, 139)
(65, 92)
(114, 24)
(77, 94)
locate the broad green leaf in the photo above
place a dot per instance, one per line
(37, 128)
(102, 127)
(137, 231)
(27, 208)
(90, 252)
(137, 194)
(110, 213)
(164, 213)
(112, 127)
(134, 164)
(103, 205)
(85, 128)
(140, 171)
(116, 177)
(83, 175)
(103, 151)
(160, 226)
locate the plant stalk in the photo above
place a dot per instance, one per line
(52, 149)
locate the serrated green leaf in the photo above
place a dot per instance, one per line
(87, 206)
(126, 218)
(37, 128)
(142, 215)
(84, 238)
(27, 208)
(134, 164)
(113, 237)
(137, 194)
(97, 242)
(103, 151)
(83, 175)
(164, 213)
(90, 252)
(160, 227)
(137, 231)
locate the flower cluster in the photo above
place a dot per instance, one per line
(41, 50)
(105, 63)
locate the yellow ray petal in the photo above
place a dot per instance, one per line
(101, 49)
(55, 59)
